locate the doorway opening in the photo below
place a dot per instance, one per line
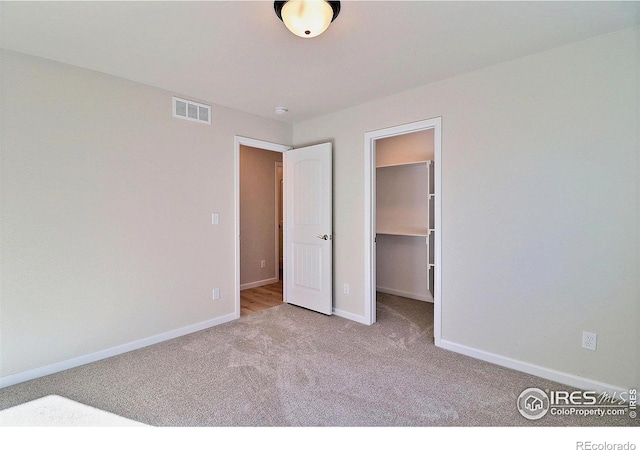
(402, 215)
(259, 213)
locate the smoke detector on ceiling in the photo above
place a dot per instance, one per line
(281, 110)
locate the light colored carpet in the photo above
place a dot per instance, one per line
(56, 411)
(287, 366)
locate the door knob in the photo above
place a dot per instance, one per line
(323, 236)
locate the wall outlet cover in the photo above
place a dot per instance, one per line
(589, 340)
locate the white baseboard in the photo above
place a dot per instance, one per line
(532, 369)
(113, 351)
(350, 316)
(406, 294)
(256, 284)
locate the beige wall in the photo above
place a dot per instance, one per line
(401, 266)
(540, 205)
(258, 215)
(106, 212)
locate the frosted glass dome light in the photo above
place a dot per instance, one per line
(307, 18)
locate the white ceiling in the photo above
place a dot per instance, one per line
(238, 53)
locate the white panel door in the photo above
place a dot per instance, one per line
(308, 228)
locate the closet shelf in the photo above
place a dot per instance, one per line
(403, 233)
(411, 163)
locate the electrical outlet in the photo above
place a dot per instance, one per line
(216, 293)
(346, 288)
(215, 219)
(263, 263)
(589, 340)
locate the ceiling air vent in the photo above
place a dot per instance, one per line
(186, 109)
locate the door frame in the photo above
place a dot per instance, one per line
(370, 139)
(279, 194)
(262, 145)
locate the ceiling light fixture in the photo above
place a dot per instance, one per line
(307, 18)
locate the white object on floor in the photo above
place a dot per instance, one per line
(56, 411)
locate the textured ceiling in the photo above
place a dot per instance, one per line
(238, 54)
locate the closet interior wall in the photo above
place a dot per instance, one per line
(404, 215)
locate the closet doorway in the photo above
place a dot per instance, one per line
(402, 216)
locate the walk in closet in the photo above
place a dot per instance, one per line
(405, 204)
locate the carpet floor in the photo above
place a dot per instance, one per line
(287, 366)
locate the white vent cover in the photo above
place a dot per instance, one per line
(186, 109)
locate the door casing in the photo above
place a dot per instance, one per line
(370, 139)
(262, 145)
(279, 194)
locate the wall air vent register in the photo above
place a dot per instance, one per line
(187, 109)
